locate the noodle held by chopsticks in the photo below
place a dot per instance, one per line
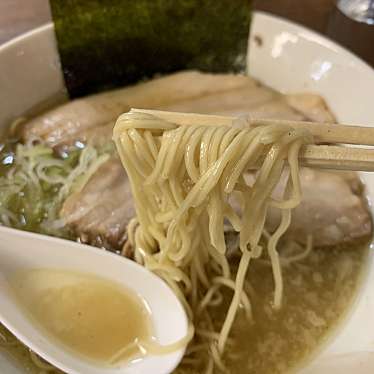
(182, 178)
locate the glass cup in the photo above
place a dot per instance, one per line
(358, 10)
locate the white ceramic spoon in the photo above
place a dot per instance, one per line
(23, 251)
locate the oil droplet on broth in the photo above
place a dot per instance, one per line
(94, 317)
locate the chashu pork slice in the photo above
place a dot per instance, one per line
(334, 209)
(75, 119)
(100, 212)
(91, 119)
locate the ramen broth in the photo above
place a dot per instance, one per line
(318, 292)
(90, 316)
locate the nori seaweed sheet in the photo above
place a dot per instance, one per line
(109, 43)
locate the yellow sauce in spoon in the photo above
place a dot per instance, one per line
(90, 315)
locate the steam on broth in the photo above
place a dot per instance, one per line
(96, 206)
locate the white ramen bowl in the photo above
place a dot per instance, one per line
(290, 59)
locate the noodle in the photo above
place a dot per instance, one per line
(40, 363)
(182, 178)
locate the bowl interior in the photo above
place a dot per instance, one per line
(291, 59)
(283, 55)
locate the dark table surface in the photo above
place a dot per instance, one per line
(18, 16)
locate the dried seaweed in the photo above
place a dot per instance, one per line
(108, 43)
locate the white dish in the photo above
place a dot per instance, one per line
(167, 315)
(289, 58)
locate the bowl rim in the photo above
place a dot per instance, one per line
(327, 41)
(318, 38)
(324, 39)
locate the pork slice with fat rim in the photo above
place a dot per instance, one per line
(334, 209)
(71, 121)
(100, 212)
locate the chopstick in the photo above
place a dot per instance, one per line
(317, 156)
(337, 157)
